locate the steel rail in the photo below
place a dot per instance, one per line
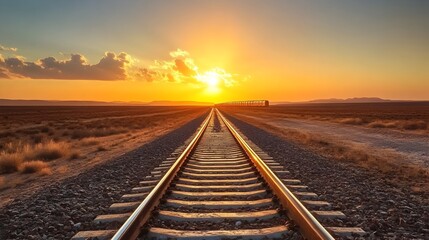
(310, 227)
(132, 227)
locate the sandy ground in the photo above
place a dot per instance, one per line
(115, 145)
(412, 147)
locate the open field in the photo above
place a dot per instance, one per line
(405, 116)
(402, 153)
(40, 145)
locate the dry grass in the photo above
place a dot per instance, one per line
(414, 125)
(45, 129)
(16, 154)
(12, 147)
(47, 151)
(75, 155)
(37, 138)
(101, 148)
(45, 171)
(402, 116)
(361, 155)
(42, 151)
(10, 162)
(353, 121)
(91, 141)
(57, 134)
(97, 132)
(62, 169)
(405, 124)
(381, 124)
(34, 166)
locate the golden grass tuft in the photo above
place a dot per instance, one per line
(16, 154)
(353, 121)
(45, 171)
(62, 169)
(90, 141)
(383, 124)
(47, 151)
(33, 166)
(101, 148)
(10, 163)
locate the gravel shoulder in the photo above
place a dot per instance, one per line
(62, 209)
(384, 210)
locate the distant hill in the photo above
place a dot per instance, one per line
(13, 102)
(16, 102)
(178, 103)
(338, 100)
(351, 100)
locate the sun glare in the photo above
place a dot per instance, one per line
(212, 80)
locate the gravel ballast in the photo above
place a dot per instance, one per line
(62, 209)
(384, 211)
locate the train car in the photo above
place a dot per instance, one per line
(249, 103)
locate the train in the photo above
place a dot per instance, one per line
(249, 103)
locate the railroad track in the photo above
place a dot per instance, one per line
(219, 186)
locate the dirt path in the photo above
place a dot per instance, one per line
(413, 147)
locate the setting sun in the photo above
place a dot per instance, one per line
(211, 80)
(215, 79)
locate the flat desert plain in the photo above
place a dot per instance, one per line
(390, 138)
(42, 145)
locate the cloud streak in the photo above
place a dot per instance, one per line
(11, 49)
(180, 68)
(110, 67)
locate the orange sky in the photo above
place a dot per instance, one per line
(205, 51)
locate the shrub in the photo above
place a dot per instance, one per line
(29, 131)
(7, 134)
(10, 162)
(45, 129)
(414, 125)
(33, 166)
(80, 133)
(47, 151)
(37, 138)
(406, 125)
(45, 171)
(101, 148)
(75, 155)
